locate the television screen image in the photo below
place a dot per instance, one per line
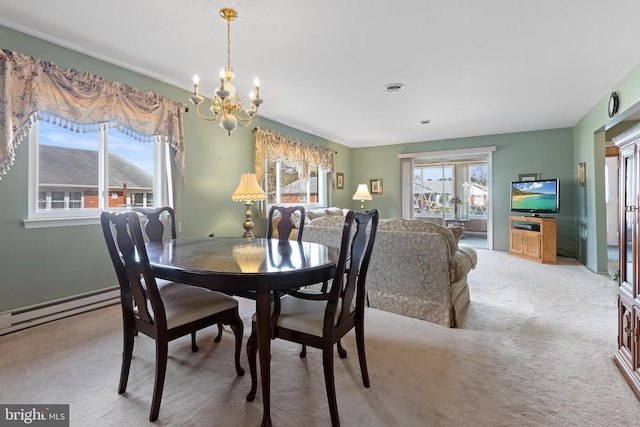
(536, 197)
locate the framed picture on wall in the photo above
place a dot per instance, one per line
(340, 181)
(582, 174)
(376, 185)
(528, 176)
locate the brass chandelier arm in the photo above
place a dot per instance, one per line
(202, 116)
(244, 119)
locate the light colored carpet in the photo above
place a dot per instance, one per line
(534, 349)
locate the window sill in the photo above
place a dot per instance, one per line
(59, 222)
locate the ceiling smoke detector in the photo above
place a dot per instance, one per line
(394, 87)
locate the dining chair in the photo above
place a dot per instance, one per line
(320, 319)
(155, 230)
(286, 224)
(162, 317)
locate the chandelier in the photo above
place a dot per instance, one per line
(227, 106)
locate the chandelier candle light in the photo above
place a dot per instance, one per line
(248, 191)
(362, 194)
(227, 106)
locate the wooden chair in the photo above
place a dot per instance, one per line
(320, 319)
(155, 230)
(162, 317)
(286, 223)
(154, 227)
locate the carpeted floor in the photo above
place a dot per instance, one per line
(534, 349)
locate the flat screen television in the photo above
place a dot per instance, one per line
(541, 196)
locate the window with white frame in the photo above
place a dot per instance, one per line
(285, 186)
(451, 184)
(292, 171)
(39, 91)
(455, 188)
(76, 174)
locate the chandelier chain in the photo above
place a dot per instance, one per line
(229, 45)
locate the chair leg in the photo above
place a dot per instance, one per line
(341, 351)
(327, 362)
(194, 346)
(162, 350)
(361, 354)
(219, 336)
(127, 353)
(238, 331)
(252, 351)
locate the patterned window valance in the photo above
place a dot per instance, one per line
(31, 88)
(272, 145)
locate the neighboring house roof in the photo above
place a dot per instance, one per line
(297, 187)
(63, 166)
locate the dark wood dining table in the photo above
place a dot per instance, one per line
(252, 267)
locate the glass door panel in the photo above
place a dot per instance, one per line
(627, 218)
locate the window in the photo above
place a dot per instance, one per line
(431, 180)
(433, 187)
(437, 183)
(284, 186)
(293, 172)
(39, 92)
(477, 189)
(78, 175)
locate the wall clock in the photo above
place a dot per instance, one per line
(614, 104)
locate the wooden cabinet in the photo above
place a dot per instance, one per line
(533, 238)
(627, 356)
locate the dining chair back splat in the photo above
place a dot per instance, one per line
(286, 222)
(161, 317)
(320, 319)
(155, 230)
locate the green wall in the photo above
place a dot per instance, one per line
(589, 141)
(548, 152)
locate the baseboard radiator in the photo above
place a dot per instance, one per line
(11, 321)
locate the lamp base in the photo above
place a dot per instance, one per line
(248, 222)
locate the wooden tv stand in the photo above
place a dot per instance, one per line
(533, 238)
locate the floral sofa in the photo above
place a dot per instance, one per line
(417, 269)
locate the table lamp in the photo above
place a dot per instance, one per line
(455, 201)
(248, 191)
(362, 194)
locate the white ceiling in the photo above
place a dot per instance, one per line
(471, 67)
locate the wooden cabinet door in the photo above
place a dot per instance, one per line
(532, 245)
(517, 242)
(625, 329)
(627, 220)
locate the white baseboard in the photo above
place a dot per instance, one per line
(11, 321)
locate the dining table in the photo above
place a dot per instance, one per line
(248, 267)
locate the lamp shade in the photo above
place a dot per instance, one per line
(248, 190)
(362, 193)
